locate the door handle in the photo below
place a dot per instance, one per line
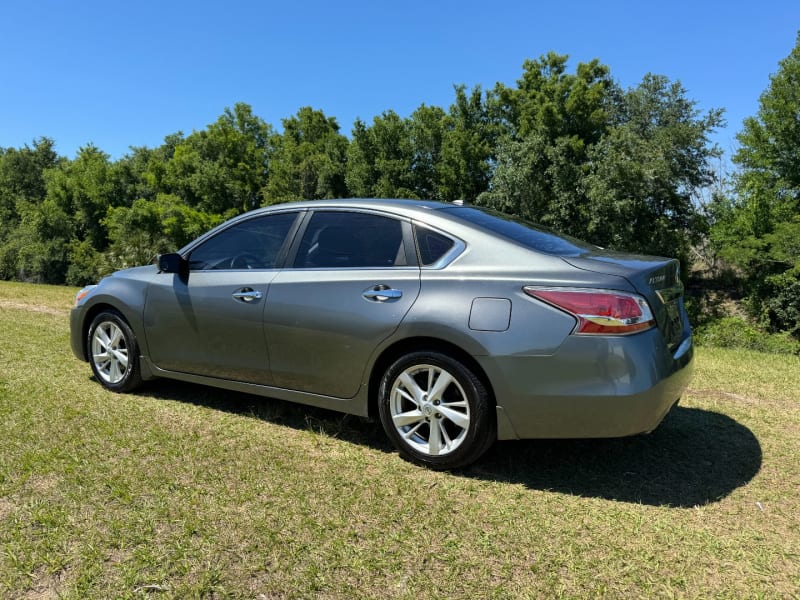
(382, 293)
(248, 295)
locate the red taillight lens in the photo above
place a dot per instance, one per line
(600, 311)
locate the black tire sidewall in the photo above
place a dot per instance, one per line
(480, 433)
(132, 377)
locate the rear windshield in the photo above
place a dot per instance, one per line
(525, 233)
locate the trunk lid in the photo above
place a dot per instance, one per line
(655, 278)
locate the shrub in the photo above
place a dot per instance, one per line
(735, 332)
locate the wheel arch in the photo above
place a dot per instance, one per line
(416, 344)
(89, 316)
(128, 377)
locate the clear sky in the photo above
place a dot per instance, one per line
(121, 74)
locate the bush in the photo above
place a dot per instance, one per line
(86, 265)
(735, 332)
(777, 305)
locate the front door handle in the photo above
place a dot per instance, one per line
(382, 293)
(248, 295)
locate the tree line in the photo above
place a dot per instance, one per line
(622, 168)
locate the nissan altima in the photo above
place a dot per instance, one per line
(454, 325)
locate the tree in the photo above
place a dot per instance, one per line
(223, 169)
(757, 230)
(27, 251)
(468, 141)
(85, 188)
(426, 131)
(380, 158)
(22, 178)
(768, 183)
(645, 172)
(309, 159)
(150, 227)
(36, 250)
(617, 168)
(548, 122)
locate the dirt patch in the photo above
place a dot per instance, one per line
(37, 308)
(42, 484)
(6, 506)
(721, 394)
(46, 586)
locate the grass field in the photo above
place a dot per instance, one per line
(180, 491)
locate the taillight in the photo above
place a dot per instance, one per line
(600, 312)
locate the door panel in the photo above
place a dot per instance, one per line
(322, 327)
(210, 322)
(353, 279)
(197, 325)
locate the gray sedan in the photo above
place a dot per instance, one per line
(456, 326)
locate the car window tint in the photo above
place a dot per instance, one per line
(350, 239)
(250, 244)
(529, 235)
(432, 245)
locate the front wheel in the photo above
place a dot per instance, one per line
(436, 411)
(114, 352)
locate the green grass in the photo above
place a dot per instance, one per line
(181, 491)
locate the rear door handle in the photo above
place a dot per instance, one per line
(382, 293)
(248, 295)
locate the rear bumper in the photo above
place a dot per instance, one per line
(591, 387)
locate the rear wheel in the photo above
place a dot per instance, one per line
(114, 352)
(436, 411)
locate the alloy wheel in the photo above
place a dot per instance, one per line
(429, 409)
(110, 352)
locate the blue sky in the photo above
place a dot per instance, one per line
(120, 74)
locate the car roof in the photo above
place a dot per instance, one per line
(395, 205)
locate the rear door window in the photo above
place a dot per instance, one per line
(341, 240)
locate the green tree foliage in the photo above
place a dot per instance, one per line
(85, 188)
(22, 178)
(309, 159)
(22, 188)
(380, 158)
(468, 140)
(141, 173)
(151, 227)
(177, 191)
(426, 131)
(550, 122)
(433, 154)
(768, 184)
(222, 169)
(759, 227)
(647, 169)
(36, 250)
(618, 168)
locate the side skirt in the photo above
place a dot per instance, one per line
(356, 405)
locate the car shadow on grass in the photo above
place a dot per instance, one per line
(695, 457)
(279, 412)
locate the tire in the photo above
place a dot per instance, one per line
(114, 352)
(447, 429)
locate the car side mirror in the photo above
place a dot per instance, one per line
(173, 263)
